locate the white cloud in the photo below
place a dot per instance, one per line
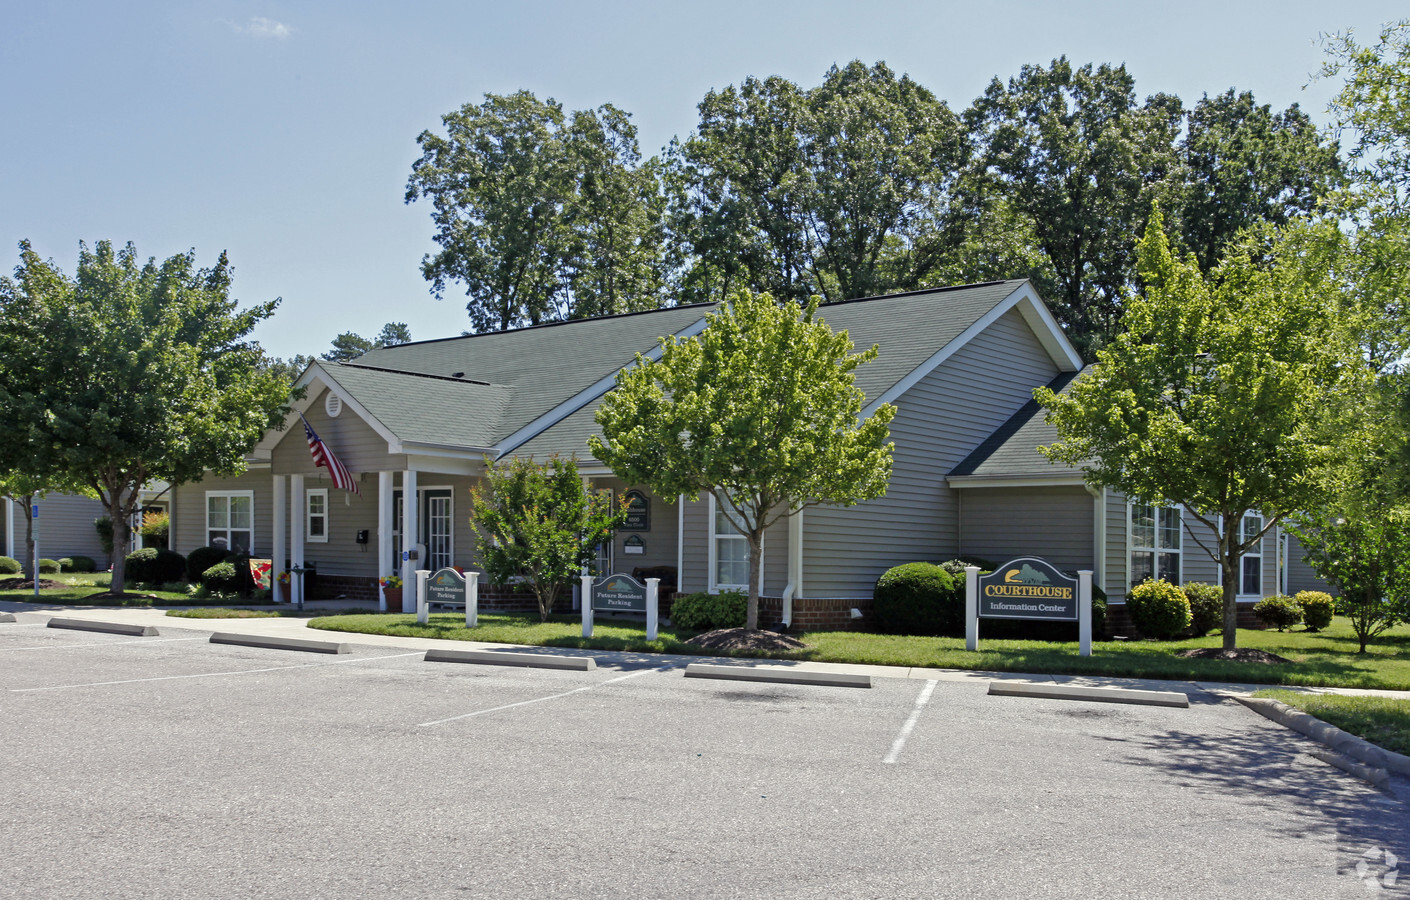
(260, 27)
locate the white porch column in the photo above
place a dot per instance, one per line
(281, 538)
(385, 566)
(410, 534)
(296, 522)
(9, 527)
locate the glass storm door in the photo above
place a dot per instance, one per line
(437, 526)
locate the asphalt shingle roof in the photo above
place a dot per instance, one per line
(414, 407)
(1012, 450)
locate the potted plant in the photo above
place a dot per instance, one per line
(391, 589)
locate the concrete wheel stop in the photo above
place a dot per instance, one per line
(778, 675)
(280, 643)
(505, 658)
(106, 627)
(1050, 691)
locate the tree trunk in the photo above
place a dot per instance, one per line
(27, 564)
(1230, 565)
(122, 537)
(756, 558)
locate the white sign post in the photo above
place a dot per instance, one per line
(34, 514)
(971, 607)
(587, 606)
(1084, 612)
(472, 599)
(422, 610)
(653, 592)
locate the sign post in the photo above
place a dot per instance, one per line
(451, 588)
(1028, 588)
(587, 605)
(422, 614)
(653, 591)
(34, 514)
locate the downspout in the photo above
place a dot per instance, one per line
(794, 587)
(680, 544)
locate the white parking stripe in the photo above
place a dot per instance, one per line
(104, 644)
(339, 662)
(482, 712)
(900, 741)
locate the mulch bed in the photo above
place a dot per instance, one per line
(1240, 654)
(744, 639)
(21, 584)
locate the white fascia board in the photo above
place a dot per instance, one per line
(1026, 300)
(585, 396)
(314, 378)
(452, 451)
(444, 465)
(1007, 481)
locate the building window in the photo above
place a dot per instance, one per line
(1155, 543)
(316, 527)
(729, 551)
(1251, 565)
(230, 520)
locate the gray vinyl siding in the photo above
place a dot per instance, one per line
(352, 440)
(938, 422)
(1055, 523)
(65, 528)
(1117, 524)
(695, 574)
(1300, 574)
(1195, 563)
(188, 514)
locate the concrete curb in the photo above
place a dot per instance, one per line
(1324, 733)
(280, 643)
(7, 617)
(522, 660)
(777, 674)
(1374, 776)
(1092, 694)
(106, 627)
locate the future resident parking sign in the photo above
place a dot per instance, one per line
(1028, 588)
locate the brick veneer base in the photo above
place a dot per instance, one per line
(493, 597)
(816, 615)
(1118, 620)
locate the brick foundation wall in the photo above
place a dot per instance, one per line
(343, 587)
(816, 614)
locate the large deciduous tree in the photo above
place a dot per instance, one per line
(1228, 392)
(536, 522)
(1374, 105)
(129, 373)
(1081, 160)
(540, 216)
(760, 410)
(847, 190)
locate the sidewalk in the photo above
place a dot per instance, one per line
(28, 613)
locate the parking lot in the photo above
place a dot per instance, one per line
(171, 766)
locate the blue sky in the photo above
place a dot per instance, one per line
(283, 132)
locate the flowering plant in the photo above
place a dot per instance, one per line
(391, 581)
(284, 577)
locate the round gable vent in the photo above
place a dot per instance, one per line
(332, 404)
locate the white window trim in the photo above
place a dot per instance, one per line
(1262, 585)
(309, 536)
(1131, 548)
(227, 495)
(714, 586)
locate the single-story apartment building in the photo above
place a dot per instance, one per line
(415, 424)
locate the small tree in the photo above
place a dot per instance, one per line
(23, 491)
(760, 410)
(1227, 393)
(129, 373)
(536, 522)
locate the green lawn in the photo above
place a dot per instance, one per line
(1326, 659)
(222, 612)
(1380, 720)
(85, 590)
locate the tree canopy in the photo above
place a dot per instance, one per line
(129, 372)
(1229, 392)
(760, 410)
(350, 345)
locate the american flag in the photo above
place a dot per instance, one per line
(324, 457)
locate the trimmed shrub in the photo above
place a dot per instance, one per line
(77, 564)
(706, 612)
(223, 578)
(1158, 609)
(152, 566)
(1278, 611)
(1317, 608)
(10, 566)
(49, 567)
(1206, 606)
(919, 598)
(203, 558)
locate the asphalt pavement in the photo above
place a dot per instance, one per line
(170, 766)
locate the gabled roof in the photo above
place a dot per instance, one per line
(1011, 452)
(533, 391)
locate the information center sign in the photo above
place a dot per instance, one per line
(619, 593)
(1028, 588)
